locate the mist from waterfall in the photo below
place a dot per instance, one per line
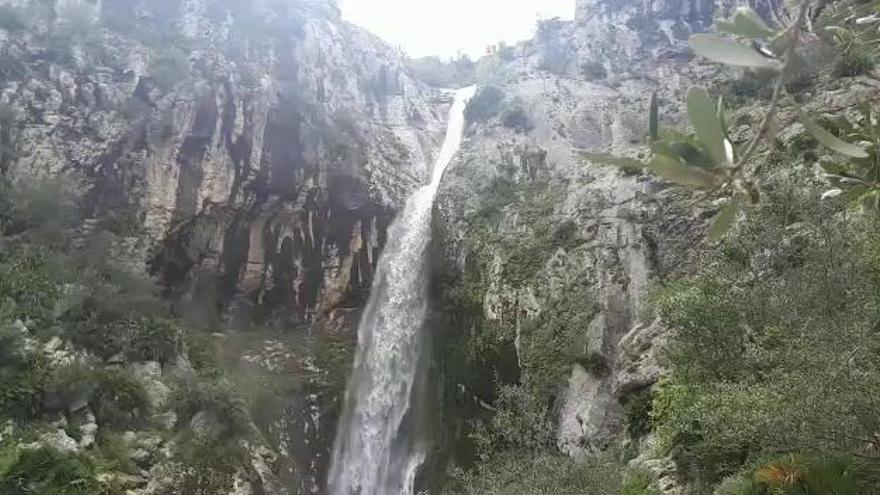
(374, 453)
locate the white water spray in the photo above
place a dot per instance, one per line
(373, 453)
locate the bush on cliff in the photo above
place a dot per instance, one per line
(485, 105)
(775, 347)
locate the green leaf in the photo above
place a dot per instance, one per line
(832, 193)
(613, 160)
(675, 171)
(855, 192)
(691, 154)
(724, 219)
(704, 117)
(654, 118)
(870, 202)
(746, 22)
(830, 140)
(833, 168)
(730, 52)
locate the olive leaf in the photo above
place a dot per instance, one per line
(704, 117)
(832, 193)
(675, 171)
(724, 219)
(730, 52)
(830, 140)
(746, 22)
(692, 155)
(831, 167)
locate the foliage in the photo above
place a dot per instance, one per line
(485, 104)
(855, 177)
(27, 290)
(455, 73)
(155, 339)
(548, 342)
(593, 70)
(638, 483)
(44, 210)
(46, 471)
(521, 423)
(541, 474)
(514, 116)
(775, 349)
(853, 64)
(706, 159)
(218, 397)
(170, 67)
(637, 409)
(799, 475)
(24, 374)
(118, 399)
(210, 462)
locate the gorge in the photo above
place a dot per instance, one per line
(250, 248)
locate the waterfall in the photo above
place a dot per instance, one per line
(374, 454)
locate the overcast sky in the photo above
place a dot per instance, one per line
(446, 27)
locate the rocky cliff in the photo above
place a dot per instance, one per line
(549, 255)
(267, 145)
(248, 155)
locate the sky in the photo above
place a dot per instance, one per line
(448, 27)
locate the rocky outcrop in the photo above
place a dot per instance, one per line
(250, 155)
(601, 234)
(265, 146)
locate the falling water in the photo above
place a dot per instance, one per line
(373, 453)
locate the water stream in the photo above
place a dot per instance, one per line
(375, 452)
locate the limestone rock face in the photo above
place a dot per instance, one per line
(265, 146)
(248, 154)
(598, 235)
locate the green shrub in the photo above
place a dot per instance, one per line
(139, 339)
(638, 483)
(113, 453)
(799, 475)
(522, 423)
(542, 474)
(46, 471)
(594, 363)
(156, 339)
(514, 116)
(170, 67)
(27, 289)
(852, 64)
(455, 73)
(46, 210)
(217, 397)
(593, 71)
(120, 400)
(761, 335)
(24, 375)
(637, 413)
(485, 105)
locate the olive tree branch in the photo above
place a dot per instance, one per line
(792, 32)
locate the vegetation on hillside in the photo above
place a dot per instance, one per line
(66, 290)
(773, 372)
